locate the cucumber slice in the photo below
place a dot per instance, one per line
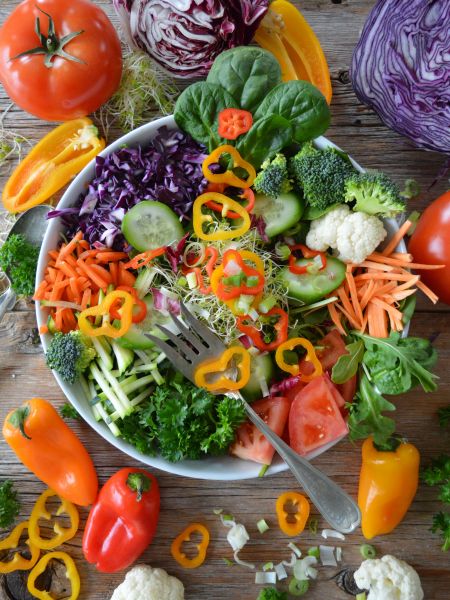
(135, 338)
(150, 225)
(310, 287)
(279, 213)
(261, 368)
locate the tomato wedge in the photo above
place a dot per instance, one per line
(250, 443)
(315, 418)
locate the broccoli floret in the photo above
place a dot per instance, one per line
(18, 259)
(321, 174)
(374, 193)
(69, 354)
(273, 179)
(271, 594)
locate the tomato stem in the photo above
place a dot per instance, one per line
(51, 45)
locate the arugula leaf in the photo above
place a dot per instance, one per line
(347, 364)
(9, 504)
(182, 421)
(397, 364)
(365, 414)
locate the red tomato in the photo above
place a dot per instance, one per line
(430, 244)
(348, 389)
(67, 89)
(250, 443)
(315, 419)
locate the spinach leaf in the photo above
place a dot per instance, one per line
(247, 73)
(347, 364)
(197, 110)
(302, 104)
(397, 364)
(365, 414)
(267, 136)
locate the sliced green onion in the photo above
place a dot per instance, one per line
(228, 562)
(191, 279)
(314, 551)
(295, 549)
(234, 280)
(252, 281)
(313, 525)
(244, 302)
(217, 511)
(262, 528)
(361, 596)
(263, 470)
(159, 379)
(314, 267)
(182, 281)
(268, 566)
(282, 251)
(267, 304)
(227, 518)
(298, 587)
(367, 551)
(196, 248)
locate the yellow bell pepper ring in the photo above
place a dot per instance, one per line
(229, 177)
(219, 366)
(387, 485)
(311, 356)
(18, 562)
(108, 329)
(199, 218)
(185, 536)
(62, 534)
(71, 574)
(51, 164)
(292, 523)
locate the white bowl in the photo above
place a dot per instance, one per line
(225, 468)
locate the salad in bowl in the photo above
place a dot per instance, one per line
(237, 207)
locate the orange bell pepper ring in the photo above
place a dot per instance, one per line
(292, 523)
(311, 356)
(219, 367)
(185, 536)
(199, 218)
(229, 177)
(18, 562)
(103, 309)
(62, 534)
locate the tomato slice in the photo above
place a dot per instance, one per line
(315, 418)
(348, 389)
(250, 443)
(233, 122)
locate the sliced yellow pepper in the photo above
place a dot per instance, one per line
(199, 218)
(71, 574)
(228, 177)
(126, 316)
(311, 356)
(220, 365)
(18, 562)
(51, 164)
(62, 533)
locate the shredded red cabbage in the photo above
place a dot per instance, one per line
(168, 169)
(283, 386)
(175, 254)
(164, 303)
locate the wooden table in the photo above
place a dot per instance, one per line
(23, 374)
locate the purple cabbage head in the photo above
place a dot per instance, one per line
(185, 36)
(168, 169)
(400, 68)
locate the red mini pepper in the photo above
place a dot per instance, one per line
(247, 194)
(277, 318)
(245, 280)
(123, 520)
(307, 253)
(233, 122)
(138, 315)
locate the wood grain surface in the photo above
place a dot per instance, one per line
(23, 374)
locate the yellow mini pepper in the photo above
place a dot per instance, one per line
(126, 316)
(229, 177)
(62, 534)
(219, 366)
(311, 356)
(199, 218)
(387, 486)
(51, 164)
(71, 574)
(18, 562)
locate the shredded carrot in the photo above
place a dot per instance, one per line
(70, 247)
(43, 329)
(397, 237)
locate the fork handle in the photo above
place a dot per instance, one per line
(335, 505)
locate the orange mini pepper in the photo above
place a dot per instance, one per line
(292, 523)
(49, 448)
(229, 177)
(219, 366)
(311, 356)
(185, 536)
(51, 164)
(387, 485)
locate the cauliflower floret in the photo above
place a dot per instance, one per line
(358, 236)
(389, 578)
(323, 231)
(152, 584)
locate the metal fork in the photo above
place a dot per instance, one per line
(197, 343)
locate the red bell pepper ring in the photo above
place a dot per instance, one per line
(233, 122)
(247, 194)
(277, 318)
(213, 254)
(307, 253)
(138, 316)
(123, 520)
(248, 280)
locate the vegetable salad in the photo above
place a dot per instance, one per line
(272, 241)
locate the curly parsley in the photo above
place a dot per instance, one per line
(9, 504)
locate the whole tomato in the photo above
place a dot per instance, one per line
(430, 244)
(70, 69)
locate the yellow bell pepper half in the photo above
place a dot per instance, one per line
(51, 164)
